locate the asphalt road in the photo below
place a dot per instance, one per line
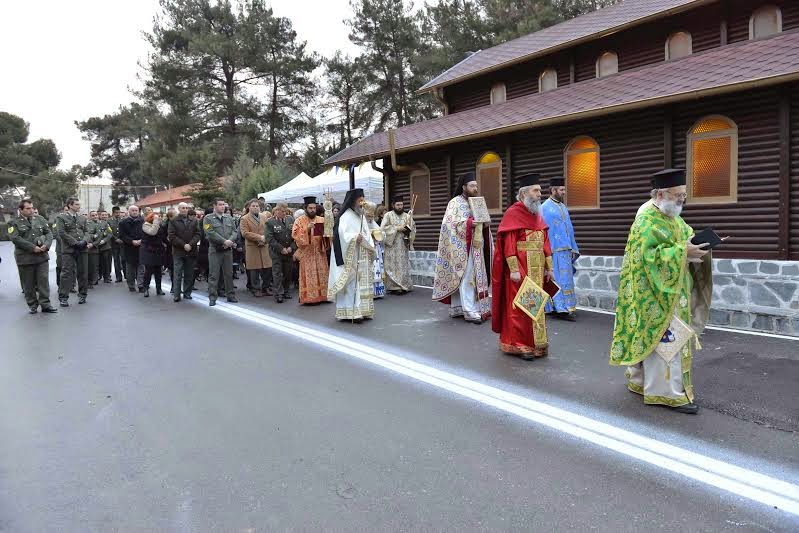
(133, 414)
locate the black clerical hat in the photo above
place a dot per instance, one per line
(557, 181)
(666, 179)
(309, 200)
(462, 181)
(528, 180)
(397, 198)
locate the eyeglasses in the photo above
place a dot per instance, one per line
(681, 195)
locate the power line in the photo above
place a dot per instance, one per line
(50, 178)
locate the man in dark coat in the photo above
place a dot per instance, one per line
(131, 233)
(184, 236)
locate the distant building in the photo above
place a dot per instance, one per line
(163, 200)
(95, 193)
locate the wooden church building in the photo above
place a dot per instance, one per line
(609, 98)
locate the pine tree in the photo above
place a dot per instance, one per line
(209, 188)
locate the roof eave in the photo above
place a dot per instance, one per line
(632, 106)
(430, 86)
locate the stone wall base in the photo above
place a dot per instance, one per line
(747, 294)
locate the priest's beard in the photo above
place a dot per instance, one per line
(670, 208)
(399, 211)
(532, 205)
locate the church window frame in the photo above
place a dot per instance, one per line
(707, 131)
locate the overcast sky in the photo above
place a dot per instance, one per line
(67, 60)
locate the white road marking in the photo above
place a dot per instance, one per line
(729, 477)
(716, 328)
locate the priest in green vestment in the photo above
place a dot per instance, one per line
(663, 276)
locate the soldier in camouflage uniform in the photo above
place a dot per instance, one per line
(32, 238)
(75, 257)
(220, 230)
(281, 250)
(93, 237)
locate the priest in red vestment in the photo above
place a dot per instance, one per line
(522, 250)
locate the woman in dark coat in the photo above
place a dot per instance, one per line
(152, 251)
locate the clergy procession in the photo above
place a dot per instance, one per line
(516, 276)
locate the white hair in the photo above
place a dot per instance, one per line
(182, 204)
(520, 194)
(132, 206)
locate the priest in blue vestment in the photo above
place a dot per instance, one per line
(564, 249)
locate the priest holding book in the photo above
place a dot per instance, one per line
(463, 267)
(665, 290)
(522, 251)
(312, 248)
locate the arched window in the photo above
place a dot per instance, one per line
(420, 187)
(713, 161)
(608, 63)
(765, 21)
(489, 180)
(678, 45)
(581, 168)
(498, 95)
(548, 80)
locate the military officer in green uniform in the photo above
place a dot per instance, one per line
(220, 230)
(32, 238)
(93, 237)
(117, 251)
(281, 250)
(105, 245)
(75, 257)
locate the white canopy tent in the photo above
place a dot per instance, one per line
(281, 194)
(336, 180)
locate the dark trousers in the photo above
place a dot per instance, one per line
(220, 263)
(282, 266)
(94, 267)
(105, 264)
(259, 279)
(150, 272)
(72, 267)
(36, 283)
(131, 269)
(119, 264)
(183, 274)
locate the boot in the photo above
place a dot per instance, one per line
(146, 293)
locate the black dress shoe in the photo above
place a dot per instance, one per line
(131, 289)
(279, 299)
(232, 299)
(147, 293)
(687, 409)
(49, 309)
(81, 299)
(211, 302)
(176, 298)
(188, 297)
(33, 309)
(106, 281)
(118, 281)
(287, 297)
(63, 303)
(159, 292)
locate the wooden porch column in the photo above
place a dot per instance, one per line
(509, 166)
(450, 175)
(725, 16)
(668, 137)
(784, 217)
(352, 176)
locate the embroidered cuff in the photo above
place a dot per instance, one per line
(549, 262)
(513, 263)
